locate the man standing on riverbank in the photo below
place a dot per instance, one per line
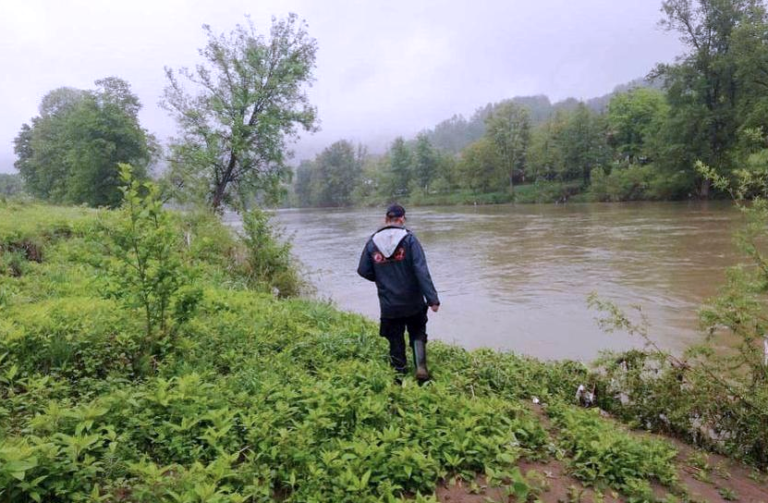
(394, 259)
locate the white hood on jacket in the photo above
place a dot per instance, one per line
(387, 240)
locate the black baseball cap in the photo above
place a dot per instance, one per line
(395, 211)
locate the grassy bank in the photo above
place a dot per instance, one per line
(236, 395)
(532, 193)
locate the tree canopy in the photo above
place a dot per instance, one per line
(71, 151)
(706, 88)
(248, 100)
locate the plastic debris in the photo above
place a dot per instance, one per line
(584, 397)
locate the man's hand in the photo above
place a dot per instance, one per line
(435, 307)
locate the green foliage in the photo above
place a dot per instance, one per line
(425, 163)
(603, 453)
(398, 178)
(712, 89)
(53, 336)
(71, 152)
(634, 118)
(728, 494)
(268, 264)
(636, 182)
(464, 197)
(543, 191)
(11, 185)
(713, 399)
(256, 398)
(144, 267)
(250, 100)
(454, 134)
(480, 167)
(508, 128)
(330, 179)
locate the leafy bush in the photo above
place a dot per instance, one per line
(268, 261)
(72, 337)
(143, 262)
(543, 191)
(603, 453)
(637, 182)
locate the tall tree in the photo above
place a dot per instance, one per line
(481, 167)
(424, 162)
(703, 87)
(338, 171)
(546, 153)
(302, 185)
(250, 101)
(71, 152)
(634, 117)
(508, 127)
(583, 144)
(400, 170)
(749, 46)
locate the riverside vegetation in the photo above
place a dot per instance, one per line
(149, 355)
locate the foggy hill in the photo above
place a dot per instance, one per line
(457, 132)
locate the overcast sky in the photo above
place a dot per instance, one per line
(384, 68)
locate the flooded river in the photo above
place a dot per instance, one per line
(517, 277)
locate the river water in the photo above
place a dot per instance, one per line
(517, 277)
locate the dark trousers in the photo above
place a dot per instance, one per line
(394, 330)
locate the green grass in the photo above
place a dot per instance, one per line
(33, 221)
(601, 452)
(251, 398)
(543, 192)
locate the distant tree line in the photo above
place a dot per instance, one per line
(568, 148)
(641, 142)
(11, 185)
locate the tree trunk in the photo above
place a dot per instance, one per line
(221, 186)
(218, 197)
(704, 188)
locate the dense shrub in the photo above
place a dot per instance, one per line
(543, 191)
(268, 264)
(73, 337)
(636, 182)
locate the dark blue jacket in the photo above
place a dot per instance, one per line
(395, 260)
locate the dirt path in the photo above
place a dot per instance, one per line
(703, 478)
(711, 477)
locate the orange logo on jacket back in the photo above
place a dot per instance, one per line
(398, 256)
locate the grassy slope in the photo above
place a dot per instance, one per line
(255, 398)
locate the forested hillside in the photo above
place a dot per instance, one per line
(640, 142)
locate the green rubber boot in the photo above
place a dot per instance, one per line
(420, 361)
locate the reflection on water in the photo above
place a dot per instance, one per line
(517, 277)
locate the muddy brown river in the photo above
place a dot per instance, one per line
(517, 277)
